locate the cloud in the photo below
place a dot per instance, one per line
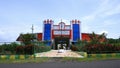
(113, 11)
(38, 28)
(109, 23)
(103, 31)
(85, 28)
(10, 33)
(66, 21)
(5, 36)
(108, 7)
(58, 20)
(89, 17)
(1, 32)
(113, 35)
(99, 10)
(105, 9)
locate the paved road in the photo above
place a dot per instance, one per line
(93, 64)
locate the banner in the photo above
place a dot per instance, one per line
(61, 32)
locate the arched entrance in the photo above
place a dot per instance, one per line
(61, 42)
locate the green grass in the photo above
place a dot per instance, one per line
(64, 59)
(89, 59)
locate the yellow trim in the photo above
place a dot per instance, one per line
(3, 56)
(22, 57)
(31, 56)
(104, 55)
(85, 54)
(12, 57)
(93, 55)
(113, 54)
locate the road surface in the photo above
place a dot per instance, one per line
(92, 64)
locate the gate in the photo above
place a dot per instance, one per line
(61, 42)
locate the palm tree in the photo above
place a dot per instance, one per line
(95, 38)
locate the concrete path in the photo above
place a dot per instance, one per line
(55, 53)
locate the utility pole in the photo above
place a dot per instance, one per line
(32, 28)
(33, 40)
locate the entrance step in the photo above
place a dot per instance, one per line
(55, 53)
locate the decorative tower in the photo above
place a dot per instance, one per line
(47, 31)
(76, 32)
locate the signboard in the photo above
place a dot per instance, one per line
(61, 32)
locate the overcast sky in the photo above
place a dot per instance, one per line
(17, 16)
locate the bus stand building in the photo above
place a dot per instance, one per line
(59, 35)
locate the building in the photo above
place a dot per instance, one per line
(61, 35)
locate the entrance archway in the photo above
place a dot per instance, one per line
(62, 42)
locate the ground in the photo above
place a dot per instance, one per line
(55, 53)
(92, 64)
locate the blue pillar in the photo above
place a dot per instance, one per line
(76, 30)
(47, 31)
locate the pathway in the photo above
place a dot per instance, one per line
(54, 53)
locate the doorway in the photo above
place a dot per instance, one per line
(61, 43)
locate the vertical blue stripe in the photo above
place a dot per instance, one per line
(76, 32)
(47, 32)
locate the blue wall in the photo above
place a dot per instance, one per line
(47, 32)
(76, 32)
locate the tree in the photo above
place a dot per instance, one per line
(95, 39)
(27, 38)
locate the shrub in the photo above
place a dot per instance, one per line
(101, 48)
(79, 46)
(1, 49)
(29, 49)
(43, 48)
(8, 48)
(13, 47)
(20, 49)
(74, 48)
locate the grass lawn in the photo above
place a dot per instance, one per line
(89, 59)
(64, 59)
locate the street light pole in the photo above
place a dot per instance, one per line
(32, 28)
(33, 40)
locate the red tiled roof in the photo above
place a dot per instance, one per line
(85, 37)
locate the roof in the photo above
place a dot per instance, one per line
(38, 36)
(86, 37)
